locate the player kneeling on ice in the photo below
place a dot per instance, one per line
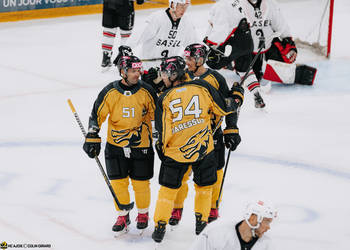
(183, 120)
(246, 234)
(280, 52)
(130, 105)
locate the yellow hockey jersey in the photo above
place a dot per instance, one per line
(183, 120)
(216, 80)
(130, 111)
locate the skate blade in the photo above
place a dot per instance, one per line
(120, 233)
(141, 231)
(157, 245)
(174, 228)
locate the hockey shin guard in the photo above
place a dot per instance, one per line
(182, 193)
(108, 39)
(216, 188)
(165, 204)
(142, 195)
(120, 188)
(202, 202)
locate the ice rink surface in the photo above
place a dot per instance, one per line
(295, 153)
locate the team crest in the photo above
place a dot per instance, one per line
(197, 144)
(130, 137)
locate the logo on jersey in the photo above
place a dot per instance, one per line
(130, 137)
(196, 145)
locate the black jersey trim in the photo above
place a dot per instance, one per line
(175, 24)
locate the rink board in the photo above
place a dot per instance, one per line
(17, 10)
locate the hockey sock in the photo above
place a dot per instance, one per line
(251, 82)
(108, 39)
(142, 194)
(165, 204)
(182, 193)
(216, 188)
(120, 188)
(202, 201)
(124, 35)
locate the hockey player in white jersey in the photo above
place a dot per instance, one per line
(229, 28)
(166, 34)
(247, 234)
(267, 21)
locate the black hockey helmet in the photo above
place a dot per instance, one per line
(197, 51)
(174, 67)
(128, 62)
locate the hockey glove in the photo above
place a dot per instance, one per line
(123, 51)
(92, 145)
(287, 49)
(237, 93)
(232, 138)
(140, 2)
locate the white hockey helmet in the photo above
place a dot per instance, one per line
(178, 1)
(261, 210)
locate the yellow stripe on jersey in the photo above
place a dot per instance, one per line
(93, 140)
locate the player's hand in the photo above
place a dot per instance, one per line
(152, 75)
(125, 50)
(232, 138)
(237, 93)
(291, 55)
(92, 145)
(214, 56)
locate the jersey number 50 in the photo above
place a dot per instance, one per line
(193, 108)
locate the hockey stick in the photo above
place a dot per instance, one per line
(121, 206)
(154, 59)
(276, 34)
(223, 179)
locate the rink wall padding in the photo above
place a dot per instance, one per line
(18, 10)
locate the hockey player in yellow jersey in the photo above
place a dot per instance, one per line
(195, 56)
(130, 105)
(183, 120)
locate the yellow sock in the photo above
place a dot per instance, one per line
(183, 191)
(216, 188)
(120, 188)
(142, 195)
(165, 204)
(203, 200)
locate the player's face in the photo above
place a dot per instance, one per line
(134, 75)
(264, 227)
(180, 9)
(191, 63)
(165, 79)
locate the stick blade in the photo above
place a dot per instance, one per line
(126, 207)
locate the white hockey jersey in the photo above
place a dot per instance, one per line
(162, 37)
(266, 21)
(222, 236)
(224, 17)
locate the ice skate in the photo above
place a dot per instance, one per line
(214, 214)
(159, 231)
(259, 102)
(142, 222)
(200, 224)
(121, 225)
(175, 218)
(106, 60)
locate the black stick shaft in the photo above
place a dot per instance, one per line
(121, 206)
